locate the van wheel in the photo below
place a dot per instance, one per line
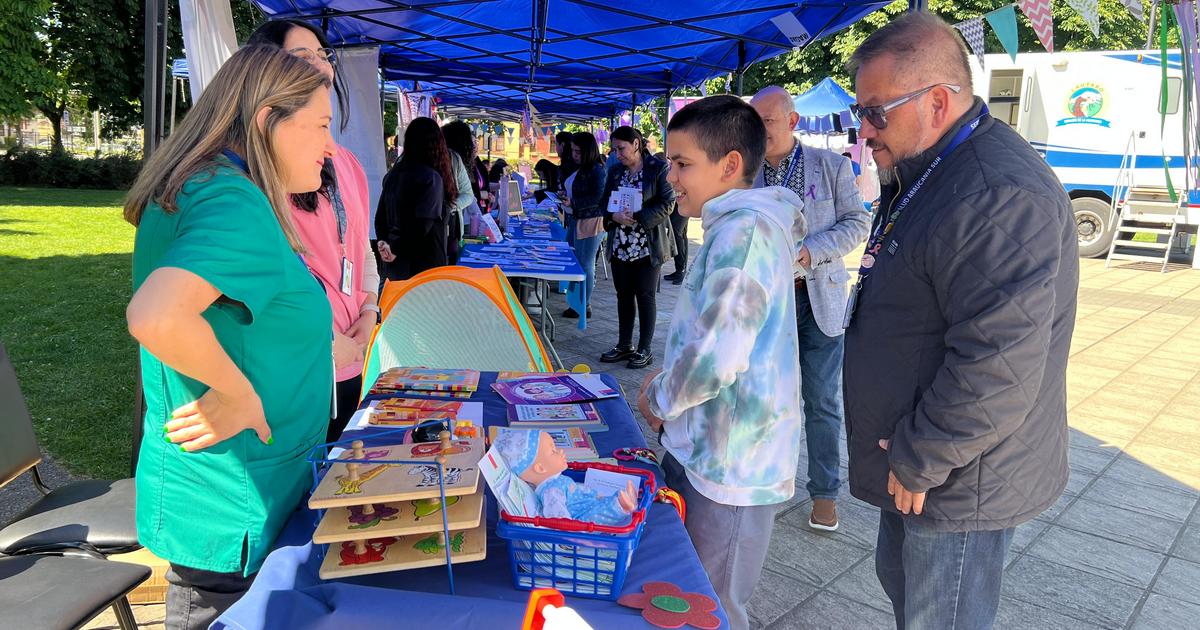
(1093, 225)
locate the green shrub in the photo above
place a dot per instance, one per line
(22, 166)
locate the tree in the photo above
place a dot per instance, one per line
(56, 51)
(799, 70)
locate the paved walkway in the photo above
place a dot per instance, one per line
(1122, 547)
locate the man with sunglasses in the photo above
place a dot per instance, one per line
(833, 211)
(958, 330)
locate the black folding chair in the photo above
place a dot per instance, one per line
(93, 517)
(41, 591)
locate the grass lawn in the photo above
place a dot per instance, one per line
(65, 269)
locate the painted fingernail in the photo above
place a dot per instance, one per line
(167, 439)
(270, 440)
(165, 429)
(182, 450)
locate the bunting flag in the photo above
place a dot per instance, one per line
(1042, 20)
(972, 31)
(1089, 10)
(1135, 7)
(1004, 24)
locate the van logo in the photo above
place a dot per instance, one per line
(1084, 105)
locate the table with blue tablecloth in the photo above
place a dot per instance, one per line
(521, 263)
(288, 594)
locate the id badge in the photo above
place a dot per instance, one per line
(347, 275)
(851, 304)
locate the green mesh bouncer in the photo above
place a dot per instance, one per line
(453, 317)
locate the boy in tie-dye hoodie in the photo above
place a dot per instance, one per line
(728, 397)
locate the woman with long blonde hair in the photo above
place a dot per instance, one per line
(236, 360)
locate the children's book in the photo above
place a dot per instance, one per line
(574, 441)
(426, 380)
(582, 415)
(406, 412)
(553, 389)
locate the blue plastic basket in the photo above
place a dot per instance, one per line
(576, 557)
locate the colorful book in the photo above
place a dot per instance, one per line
(426, 380)
(554, 389)
(574, 441)
(553, 415)
(410, 412)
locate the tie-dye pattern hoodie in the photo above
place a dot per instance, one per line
(729, 393)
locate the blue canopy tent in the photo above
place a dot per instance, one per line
(635, 49)
(571, 57)
(824, 108)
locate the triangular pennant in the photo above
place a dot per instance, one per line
(1004, 24)
(1089, 10)
(972, 31)
(1042, 20)
(1135, 7)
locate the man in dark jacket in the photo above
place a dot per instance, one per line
(959, 330)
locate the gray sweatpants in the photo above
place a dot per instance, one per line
(730, 540)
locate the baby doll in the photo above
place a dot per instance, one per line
(532, 456)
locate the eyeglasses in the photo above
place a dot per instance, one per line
(328, 55)
(877, 114)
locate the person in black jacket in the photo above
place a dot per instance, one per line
(412, 220)
(585, 189)
(638, 243)
(958, 337)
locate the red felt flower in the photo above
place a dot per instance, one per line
(665, 606)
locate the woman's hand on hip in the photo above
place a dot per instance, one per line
(216, 417)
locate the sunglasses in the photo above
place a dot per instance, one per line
(877, 114)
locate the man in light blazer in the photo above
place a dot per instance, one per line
(837, 224)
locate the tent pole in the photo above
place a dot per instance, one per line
(666, 112)
(918, 5)
(151, 86)
(741, 66)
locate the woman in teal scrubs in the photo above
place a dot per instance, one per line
(236, 357)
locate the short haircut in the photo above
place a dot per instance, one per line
(926, 50)
(725, 123)
(589, 151)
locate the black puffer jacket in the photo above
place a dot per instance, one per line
(658, 200)
(958, 349)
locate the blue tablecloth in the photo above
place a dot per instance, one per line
(287, 592)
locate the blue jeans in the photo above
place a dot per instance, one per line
(821, 389)
(940, 580)
(585, 251)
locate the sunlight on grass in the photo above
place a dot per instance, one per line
(65, 264)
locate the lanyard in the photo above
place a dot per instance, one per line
(339, 209)
(884, 229)
(796, 158)
(236, 159)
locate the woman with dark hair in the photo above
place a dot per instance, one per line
(498, 171)
(585, 187)
(547, 172)
(412, 220)
(638, 243)
(462, 202)
(461, 142)
(334, 225)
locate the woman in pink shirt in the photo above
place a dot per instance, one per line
(333, 226)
